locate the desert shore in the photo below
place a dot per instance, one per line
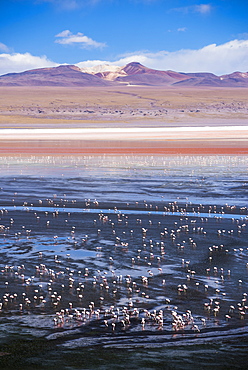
(123, 120)
(124, 106)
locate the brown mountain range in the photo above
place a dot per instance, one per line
(132, 74)
(138, 74)
(68, 75)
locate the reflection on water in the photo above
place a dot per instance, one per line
(107, 256)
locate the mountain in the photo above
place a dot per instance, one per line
(108, 75)
(207, 80)
(236, 79)
(136, 74)
(65, 75)
(105, 71)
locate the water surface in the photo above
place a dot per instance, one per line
(123, 262)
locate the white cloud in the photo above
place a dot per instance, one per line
(243, 36)
(65, 33)
(67, 38)
(201, 8)
(3, 47)
(219, 59)
(182, 29)
(17, 62)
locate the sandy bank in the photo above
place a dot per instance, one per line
(133, 133)
(184, 140)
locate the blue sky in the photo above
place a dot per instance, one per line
(187, 36)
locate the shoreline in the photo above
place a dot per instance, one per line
(205, 140)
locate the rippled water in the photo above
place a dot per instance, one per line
(123, 262)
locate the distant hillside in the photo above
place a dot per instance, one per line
(138, 74)
(236, 79)
(132, 74)
(67, 75)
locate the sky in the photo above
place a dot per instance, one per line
(179, 35)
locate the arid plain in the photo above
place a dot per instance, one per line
(123, 119)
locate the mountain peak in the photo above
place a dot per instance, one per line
(134, 68)
(137, 64)
(68, 67)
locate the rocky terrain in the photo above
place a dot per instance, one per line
(81, 112)
(113, 106)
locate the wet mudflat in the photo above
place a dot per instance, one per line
(123, 262)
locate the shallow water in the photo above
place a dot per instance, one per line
(123, 262)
